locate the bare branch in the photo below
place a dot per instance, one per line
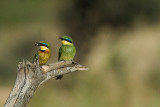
(31, 76)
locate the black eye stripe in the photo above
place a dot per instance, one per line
(67, 40)
(42, 44)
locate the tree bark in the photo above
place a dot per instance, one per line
(31, 76)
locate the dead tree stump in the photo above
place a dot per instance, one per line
(31, 76)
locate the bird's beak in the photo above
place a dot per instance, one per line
(36, 44)
(60, 38)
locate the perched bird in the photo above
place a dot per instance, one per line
(67, 51)
(43, 53)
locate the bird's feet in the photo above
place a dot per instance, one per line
(73, 62)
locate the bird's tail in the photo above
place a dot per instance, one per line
(35, 58)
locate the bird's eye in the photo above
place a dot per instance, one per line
(44, 44)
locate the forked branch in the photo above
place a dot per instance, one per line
(31, 76)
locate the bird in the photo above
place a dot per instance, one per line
(66, 52)
(43, 53)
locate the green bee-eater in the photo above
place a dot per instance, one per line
(67, 51)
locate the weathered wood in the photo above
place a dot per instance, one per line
(31, 76)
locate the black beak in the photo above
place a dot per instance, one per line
(60, 38)
(36, 44)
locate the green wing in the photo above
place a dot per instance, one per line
(35, 57)
(59, 54)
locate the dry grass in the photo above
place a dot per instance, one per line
(127, 66)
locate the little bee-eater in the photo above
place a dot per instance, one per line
(43, 53)
(67, 51)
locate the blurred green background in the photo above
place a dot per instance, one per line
(117, 40)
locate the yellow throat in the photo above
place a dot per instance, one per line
(66, 42)
(43, 48)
